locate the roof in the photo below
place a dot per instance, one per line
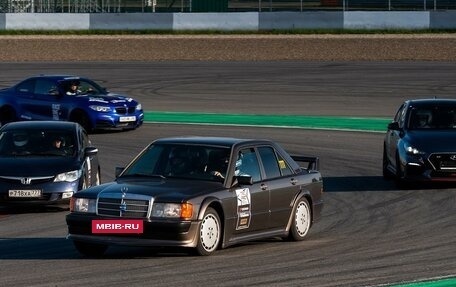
(40, 125)
(426, 102)
(217, 141)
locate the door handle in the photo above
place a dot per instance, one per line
(263, 186)
(293, 181)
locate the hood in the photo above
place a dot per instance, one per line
(165, 190)
(431, 141)
(113, 99)
(36, 166)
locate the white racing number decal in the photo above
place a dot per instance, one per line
(56, 112)
(243, 208)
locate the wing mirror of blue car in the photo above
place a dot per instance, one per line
(90, 151)
(394, 126)
(54, 93)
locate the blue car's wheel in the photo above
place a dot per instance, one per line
(81, 118)
(7, 115)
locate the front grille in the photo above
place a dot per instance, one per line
(26, 180)
(125, 110)
(132, 206)
(443, 162)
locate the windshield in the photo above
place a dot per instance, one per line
(435, 117)
(181, 161)
(34, 142)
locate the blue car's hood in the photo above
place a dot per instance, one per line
(110, 98)
(36, 166)
(431, 141)
(160, 189)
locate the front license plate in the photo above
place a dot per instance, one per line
(120, 226)
(127, 119)
(24, 193)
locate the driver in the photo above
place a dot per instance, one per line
(74, 89)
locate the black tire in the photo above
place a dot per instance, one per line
(399, 178)
(82, 118)
(7, 115)
(210, 233)
(90, 249)
(301, 221)
(387, 174)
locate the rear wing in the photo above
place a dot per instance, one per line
(313, 163)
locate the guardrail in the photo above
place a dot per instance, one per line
(157, 6)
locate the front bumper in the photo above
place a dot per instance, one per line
(51, 193)
(115, 121)
(423, 171)
(162, 233)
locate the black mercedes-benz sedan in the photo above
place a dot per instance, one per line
(45, 162)
(420, 144)
(203, 193)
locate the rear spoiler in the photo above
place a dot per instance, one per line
(313, 163)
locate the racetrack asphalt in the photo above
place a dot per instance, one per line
(371, 232)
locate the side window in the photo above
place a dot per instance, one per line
(247, 164)
(270, 162)
(26, 87)
(88, 88)
(397, 117)
(44, 87)
(284, 168)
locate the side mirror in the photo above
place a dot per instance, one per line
(54, 92)
(90, 151)
(393, 126)
(118, 171)
(244, 180)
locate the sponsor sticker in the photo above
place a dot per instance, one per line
(243, 208)
(121, 226)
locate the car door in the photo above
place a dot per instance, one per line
(252, 200)
(45, 103)
(282, 185)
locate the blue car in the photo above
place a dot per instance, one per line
(69, 98)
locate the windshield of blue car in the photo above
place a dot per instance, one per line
(181, 161)
(429, 118)
(36, 142)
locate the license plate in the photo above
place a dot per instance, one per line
(117, 226)
(24, 193)
(127, 119)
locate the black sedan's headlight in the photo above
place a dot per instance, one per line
(86, 205)
(172, 210)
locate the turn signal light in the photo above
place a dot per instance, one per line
(186, 210)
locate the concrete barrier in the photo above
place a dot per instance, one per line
(247, 21)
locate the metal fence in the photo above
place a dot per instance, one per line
(152, 6)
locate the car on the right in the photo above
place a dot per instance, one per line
(420, 143)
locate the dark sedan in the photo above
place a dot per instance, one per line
(199, 192)
(45, 162)
(420, 144)
(69, 98)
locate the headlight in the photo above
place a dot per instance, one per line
(102, 109)
(139, 107)
(172, 210)
(68, 176)
(412, 150)
(83, 205)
